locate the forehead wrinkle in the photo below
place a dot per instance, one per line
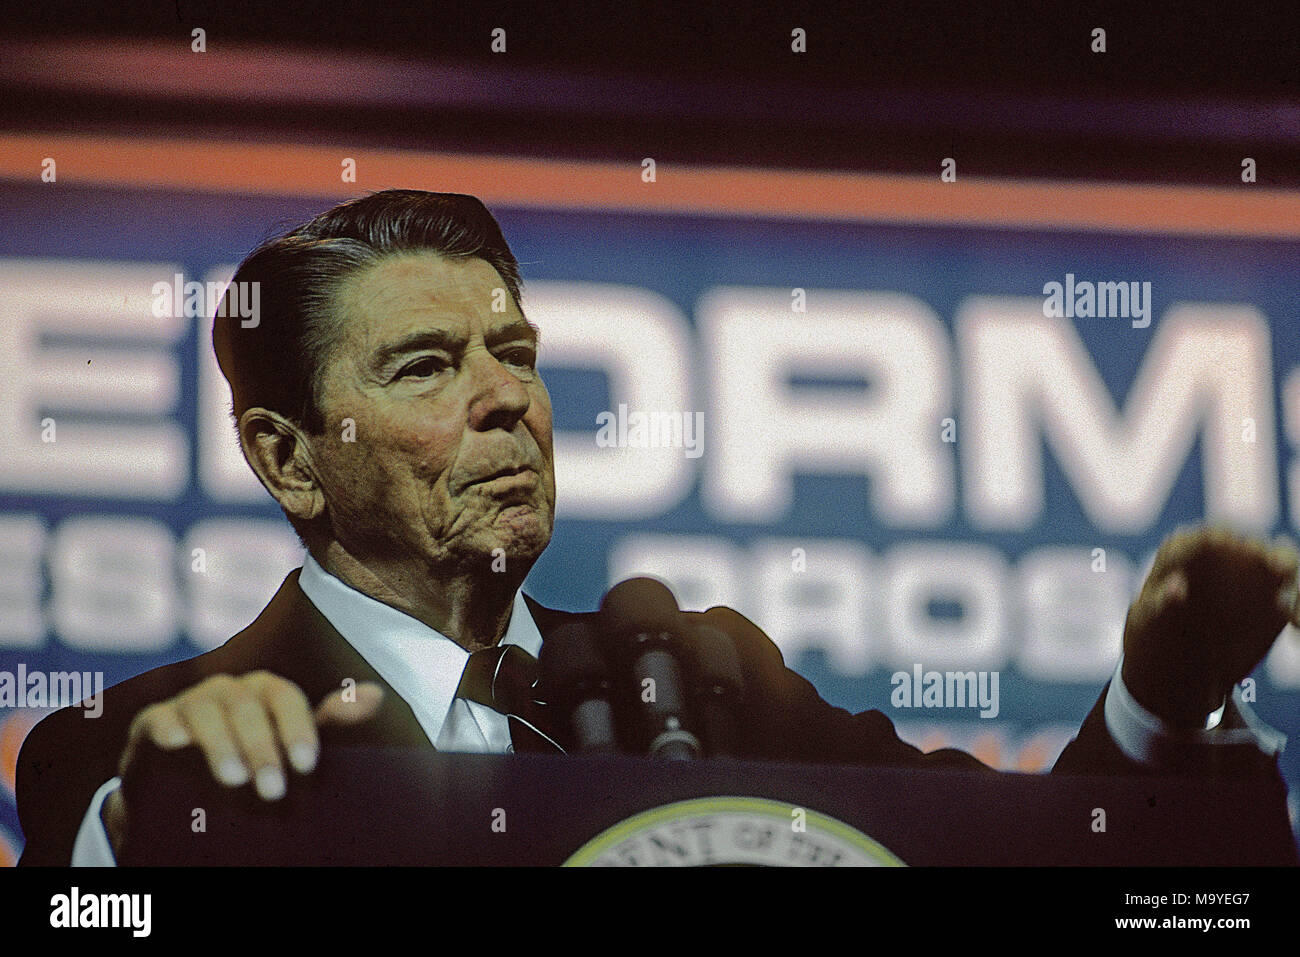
(447, 300)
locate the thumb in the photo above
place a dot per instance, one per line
(350, 705)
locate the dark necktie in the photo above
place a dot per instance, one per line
(504, 679)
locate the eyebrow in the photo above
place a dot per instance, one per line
(515, 329)
(445, 339)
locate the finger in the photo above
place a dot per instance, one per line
(160, 724)
(115, 820)
(1284, 557)
(1175, 552)
(206, 721)
(168, 731)
(1157, 608)
(294, 722)
(1221, 542)
(254, 735)
(1188, 550)
(1288, 597)
(1171, 599)
(342, 707)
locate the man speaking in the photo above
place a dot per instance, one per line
(387, 396)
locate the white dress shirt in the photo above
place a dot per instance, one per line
(424, 668)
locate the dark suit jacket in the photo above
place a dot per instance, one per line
(67, 756)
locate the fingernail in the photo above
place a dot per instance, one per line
(270, 784)
(232, 772)
(302, 757)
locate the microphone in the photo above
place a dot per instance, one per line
(719, 690)
(576, 675)
(641, 619)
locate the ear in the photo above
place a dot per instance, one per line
(280, 453)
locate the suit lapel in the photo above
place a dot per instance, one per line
(548, 619)
(293, 639)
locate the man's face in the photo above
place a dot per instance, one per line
(452, 456)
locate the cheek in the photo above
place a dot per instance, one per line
(387, 455)
(538, 418)
(355, 473)
(428, 447)
(539, 423)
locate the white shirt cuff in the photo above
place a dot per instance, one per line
(1144, 738)
(92, 847)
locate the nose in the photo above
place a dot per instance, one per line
(500, 397)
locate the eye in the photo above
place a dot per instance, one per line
(423, 367)
(524, 356)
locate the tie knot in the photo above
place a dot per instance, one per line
(501, 677)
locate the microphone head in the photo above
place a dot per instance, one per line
(572, 661)
(717, 664)
(639, 605)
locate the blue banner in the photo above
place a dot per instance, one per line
(899, 449)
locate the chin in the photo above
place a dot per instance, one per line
(521, 532)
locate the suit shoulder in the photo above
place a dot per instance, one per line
(752, 643)
(72, 751)
(69, 733)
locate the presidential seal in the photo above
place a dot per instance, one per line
(731, 832)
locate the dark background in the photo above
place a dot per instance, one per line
(1013, 89)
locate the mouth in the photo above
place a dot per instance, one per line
(516, 475)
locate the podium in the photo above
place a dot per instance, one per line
(380, 806)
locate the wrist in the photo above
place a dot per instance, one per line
(1177, 704)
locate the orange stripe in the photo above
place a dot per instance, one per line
(314, 171)
(13, 731)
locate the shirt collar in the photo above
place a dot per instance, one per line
(421, 664)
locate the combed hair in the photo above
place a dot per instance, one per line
(276, 364)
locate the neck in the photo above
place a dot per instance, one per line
(471, 610)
